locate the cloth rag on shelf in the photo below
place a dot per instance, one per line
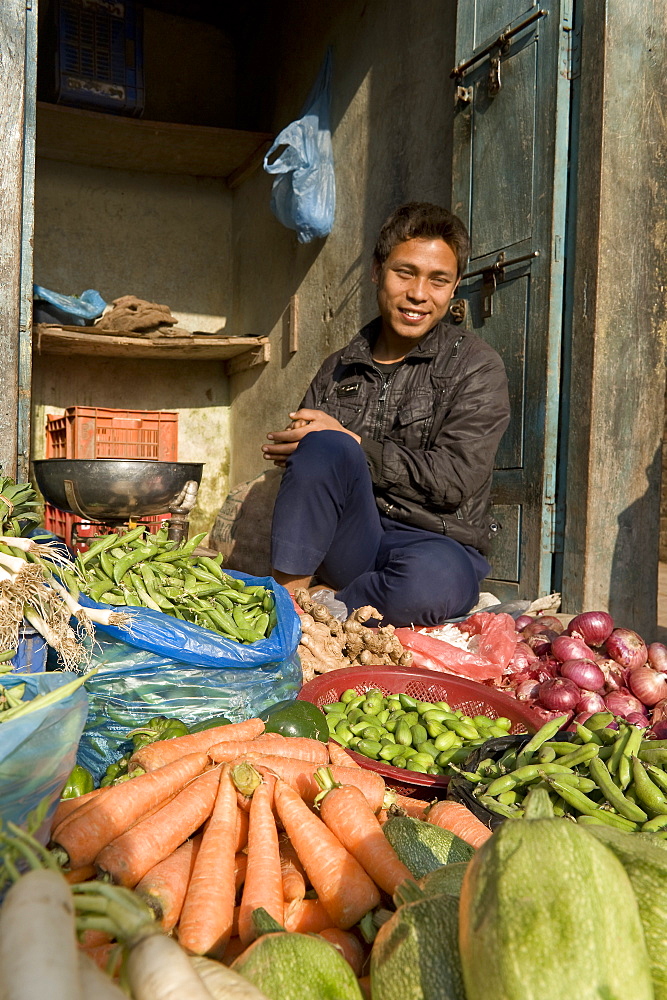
(132, 316)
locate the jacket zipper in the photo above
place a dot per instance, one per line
(382, 399)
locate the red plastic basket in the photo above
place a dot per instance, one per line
(424, 685)
(100, 432)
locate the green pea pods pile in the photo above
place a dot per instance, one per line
(140, 570)
(601, 776)
(422, 736)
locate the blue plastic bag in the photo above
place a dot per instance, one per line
(303, 196)
(38, 751)
(72, 310)
(169, 667)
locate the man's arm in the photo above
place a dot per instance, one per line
(283, 443)
(462, 455)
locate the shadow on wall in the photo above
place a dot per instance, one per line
(634, 565)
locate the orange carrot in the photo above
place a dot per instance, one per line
(105, 956)
(413, 807)
(127, 858)
(66, 807)
(111, 814)
(234, 948)
(300, 775)
(348, 945)
(263, 881)
(76, 875)
(242, 828)
(342, 886)
(164, 751)
(348, 815)
(165, 884)
(208, 911)
(338, 755)
(294, 879)
(365, 986)
(240, 866)
(295, 748)
(456, 818)
(306, 916)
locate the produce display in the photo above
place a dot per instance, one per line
(589, 666)
(421, 736)
(328, 644)
(149, 571)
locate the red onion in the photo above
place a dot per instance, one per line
(551, 622)
(522, 659)
(522, 621)
(627, 648)
(659, 713)
(657, 657)
(568, 647)
(614, 675)
(544, 715)
(559, 694)
(544, 671)
(537, 627)
(527, 691)
(622, 703)
(593, 627)
(590, 703)
(584, 673)
(659, 730)
(541, 643)
(648, 685)
(637, 719)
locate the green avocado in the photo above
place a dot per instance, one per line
(296, 718)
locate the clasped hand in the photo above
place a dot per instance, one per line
(283, 443)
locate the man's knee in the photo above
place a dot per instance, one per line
(439, 582)
(320, 451)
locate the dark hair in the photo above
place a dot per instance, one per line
(426, 221)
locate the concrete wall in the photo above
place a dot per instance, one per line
(161, 237)
(392, 110)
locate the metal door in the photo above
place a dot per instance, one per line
(512, 93)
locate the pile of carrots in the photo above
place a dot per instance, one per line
(192, 837)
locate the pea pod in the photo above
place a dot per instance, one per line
(546, 732)
(582, 804)
(613, 794)
(648, 793)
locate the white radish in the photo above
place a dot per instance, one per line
(96, 984)
(159, 969)
(38, 950)
(224, 983)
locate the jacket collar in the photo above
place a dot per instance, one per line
(360, 348)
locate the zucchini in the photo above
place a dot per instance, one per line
(447, 878)
(646, 867)
(423, 847)
(546, 910)
(415, 955)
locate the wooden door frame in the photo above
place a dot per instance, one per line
(615, 304)
(18, 70)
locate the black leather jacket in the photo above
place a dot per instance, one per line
(430, 429)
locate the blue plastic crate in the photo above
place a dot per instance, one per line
(31, 655)
(99, 55)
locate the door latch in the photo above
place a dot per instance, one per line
(492, 274)
(496, 50)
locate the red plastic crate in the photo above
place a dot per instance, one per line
(98, 432)
(75, 530)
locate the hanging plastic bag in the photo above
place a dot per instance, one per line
(303, 195)
(169, 667)
(38, 751)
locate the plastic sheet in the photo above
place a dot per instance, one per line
(494, 647)
(38, 751)
(303, 195)
(169, 667)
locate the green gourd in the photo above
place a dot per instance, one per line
(423, 847)
(447, 878)
(646, 866)
(546, 910)
(415, 954)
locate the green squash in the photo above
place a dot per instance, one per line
(423, 847)
(547, 911)
(447, 878)
(646, 866)
(415, 955)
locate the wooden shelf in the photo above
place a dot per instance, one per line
(99, 140)
(84, 341)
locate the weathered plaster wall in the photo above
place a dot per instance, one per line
(391, 118)
(162, 238)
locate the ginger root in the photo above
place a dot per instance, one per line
(328, 644)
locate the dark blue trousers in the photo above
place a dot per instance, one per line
(326, 521)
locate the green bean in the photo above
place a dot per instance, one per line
(657, 775)
(142, 593)
(98, 545)
(613, 795)
(653, 825)
(547, 731)
(617, 752)
(577, 800)
(647, 791)
(580, 755)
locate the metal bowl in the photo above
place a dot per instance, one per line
(113, 489)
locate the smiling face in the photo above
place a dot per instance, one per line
(415, 286)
